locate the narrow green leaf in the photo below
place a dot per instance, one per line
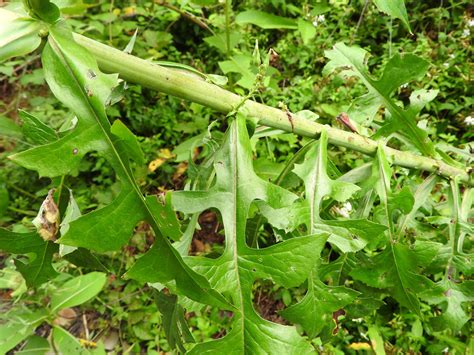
(376, 340)
(4, 199)
(390, 202)
(77, 291)
(71, 214)
(174, 323)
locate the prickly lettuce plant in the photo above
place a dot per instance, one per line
(397, 245)
(399, 70)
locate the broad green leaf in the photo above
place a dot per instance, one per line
(396, 270)
(399, 70)
(315, 311)
(40, 254)
(84, 258)
(35, 130)
(66, 343)
(426, 251)
(162, 209)
(75, 79)
(313, 171)
(233, 273)
(344, 233)
(395, 9)
(265, 20)
(77, 291)
(20, 323)
(43, 10)
(174, 324)
(18, 36)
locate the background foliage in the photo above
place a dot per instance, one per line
(363, 301)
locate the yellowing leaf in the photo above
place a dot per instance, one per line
(360, 346)
(164, 155)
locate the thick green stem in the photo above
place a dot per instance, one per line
(190, 87)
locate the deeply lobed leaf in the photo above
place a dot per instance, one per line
(233, 273)
(75, 79)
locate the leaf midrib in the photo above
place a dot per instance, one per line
(401, 280)
(130, 179)
(58, 306)
(234, 239)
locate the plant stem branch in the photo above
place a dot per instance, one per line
(186, 15)
(228, 4)
(359, 22)
(177, 83)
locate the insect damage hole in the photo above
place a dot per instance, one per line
(91, 74)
